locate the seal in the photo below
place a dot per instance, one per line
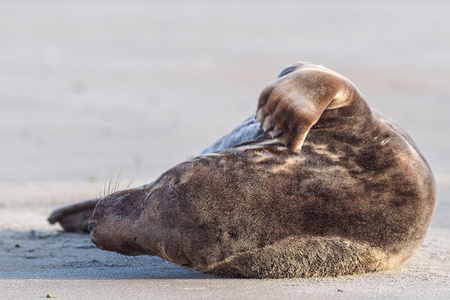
(315, 183)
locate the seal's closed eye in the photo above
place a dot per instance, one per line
(173, 185)
(148, 198)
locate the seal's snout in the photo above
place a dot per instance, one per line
(90, 226)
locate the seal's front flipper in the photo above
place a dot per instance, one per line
(292, 104)
(303, 257)
(74, 218)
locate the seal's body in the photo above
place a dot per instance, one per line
(315, 184)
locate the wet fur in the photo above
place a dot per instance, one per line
(325, 187)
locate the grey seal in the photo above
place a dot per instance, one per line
(315, 183)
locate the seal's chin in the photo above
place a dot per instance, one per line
(124, 248)
(131, 249)
(97, 244)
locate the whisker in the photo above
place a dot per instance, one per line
(133, 261)
(166, 257)
(142, 264)
(132, 180)
(111, 187)
(124, 259)
(154, 259)
(129, 260)
(118, 178)
(108, 190)
(120, 258)
(117, 255)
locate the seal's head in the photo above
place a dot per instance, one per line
(155, 219)
(131, 222)
(114, 229)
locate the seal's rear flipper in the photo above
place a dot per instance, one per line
(304, 257)
(74, 218)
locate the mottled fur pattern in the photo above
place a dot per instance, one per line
(325, 187)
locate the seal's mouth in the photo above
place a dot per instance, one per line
(90, 228)
(95, 243)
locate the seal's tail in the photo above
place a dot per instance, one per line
(75, 217)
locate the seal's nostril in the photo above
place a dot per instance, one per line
(90, 226)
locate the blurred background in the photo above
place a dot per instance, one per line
(87, 87)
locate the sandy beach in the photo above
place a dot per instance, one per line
(93, 89)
